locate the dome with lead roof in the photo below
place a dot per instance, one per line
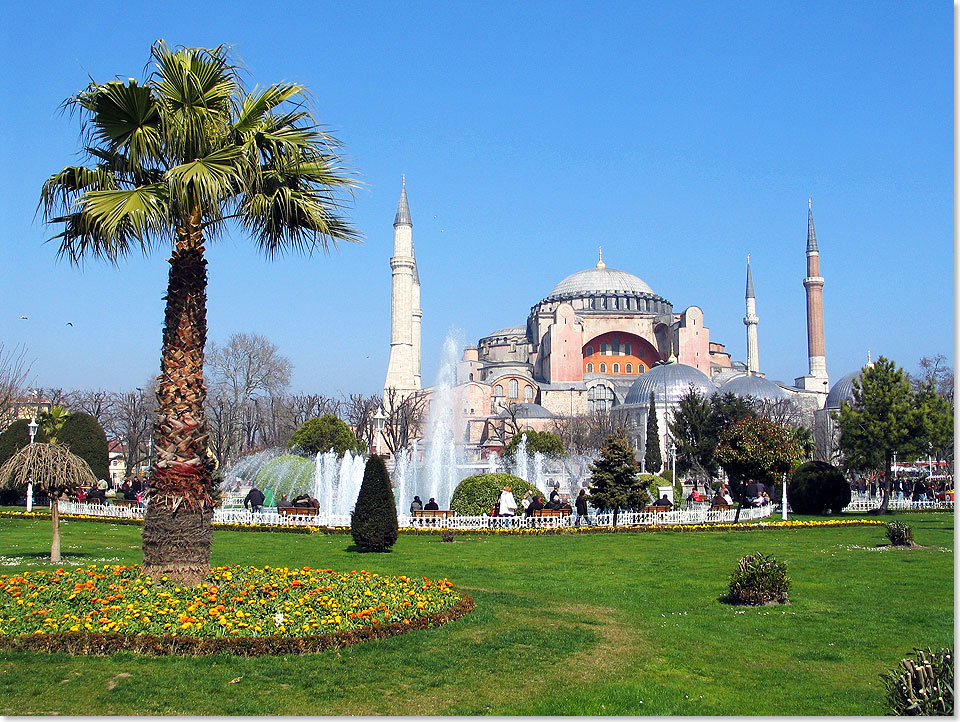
(750, 385)
(842, 390)
(673, 380)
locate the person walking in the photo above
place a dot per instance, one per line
(254, 500)
(507, 506)
(581, 504)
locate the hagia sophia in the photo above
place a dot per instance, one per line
(601, 340)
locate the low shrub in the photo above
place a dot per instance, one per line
(759, 579)
(923, 686)
(899, 534)
(477, 494)
(289, 474)
(817, 487)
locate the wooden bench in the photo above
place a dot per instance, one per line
(656, 509)
(720, 507)
(434, 513)
(124, 502)
(297, 511)
(552, 512)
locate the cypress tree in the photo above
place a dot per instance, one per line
(374, 521)
(652, 459)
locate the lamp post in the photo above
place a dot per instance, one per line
(379, 421)
(783, 500)
(32, 428)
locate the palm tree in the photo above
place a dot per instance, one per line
(172, 161)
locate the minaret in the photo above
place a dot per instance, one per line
(816, 379)
(403, 369)
(751, 321)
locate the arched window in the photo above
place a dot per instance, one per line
(599, 398)
(588, 352)
(629, 368)
(603, 368)
(616, 368)
(589, 368)
(514, 388)
(627, 350)
(528, 393)
(616, 346)
(471, 377)
(498, 390)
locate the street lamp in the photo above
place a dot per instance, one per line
(379, 421)
(32, 428)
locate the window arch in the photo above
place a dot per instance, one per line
(599, 398)
(514, 388)
(616, 368)
(603, 368)
(588, 351)
(528, 393)
(498, 390)
(589, 368)
(629, 368)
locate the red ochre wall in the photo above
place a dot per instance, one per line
(642, 354)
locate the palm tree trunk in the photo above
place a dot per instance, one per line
(177, 528)
(55, 522)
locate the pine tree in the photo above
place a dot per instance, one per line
(882, 420)
(615, 481)
(374, 521)
(652, 459)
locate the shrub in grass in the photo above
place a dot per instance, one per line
(759, 579)
(374, 521)
(923, 686)
(899, 534)
(288, 474)
(817, 487)
(477, 494)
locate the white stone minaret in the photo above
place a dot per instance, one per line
(403, 369)
(751, 321)
(817, 378)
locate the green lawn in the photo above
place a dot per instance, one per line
(621, 624)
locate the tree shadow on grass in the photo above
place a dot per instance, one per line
(367, 550)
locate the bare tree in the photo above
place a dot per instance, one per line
(587, 433)
(359, 411)
(405, 418)
(99, 403)
(247, 368)
(14, 371)
(133, 414)
(935, 370)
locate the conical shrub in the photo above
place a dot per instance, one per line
(374, 522)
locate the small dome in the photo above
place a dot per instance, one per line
(674, 379)
(528, 411)
(758, 387)
(511, 331)
(842, 390)
(595, 281)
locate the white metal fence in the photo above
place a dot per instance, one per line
(866, 503)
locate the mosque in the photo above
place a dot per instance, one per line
(601, 340)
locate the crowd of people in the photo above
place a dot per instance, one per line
(904, 487)
(103, 492)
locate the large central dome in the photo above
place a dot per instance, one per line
(601, 281)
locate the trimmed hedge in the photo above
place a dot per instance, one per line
(374, 521)
(288, 474)
(477, 494)
(817, 487)
(83, 435)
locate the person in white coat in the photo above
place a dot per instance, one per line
(507, 504)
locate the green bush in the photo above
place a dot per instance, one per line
(319, 435)
(759, 579)
(543, 441)
(652, 482)
(817, 487)
(83, 435)
(923, 686)
(477, 494)
(289, 474)
(16, 437)
(899, 534)
(374, 521)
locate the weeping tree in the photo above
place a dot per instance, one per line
(173, 162)
(50, 468)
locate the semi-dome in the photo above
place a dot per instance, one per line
(599, 281)
(842, 390)
(527, 410)
(672, 379)
(758, 387)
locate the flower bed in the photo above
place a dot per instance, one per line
(244, 610)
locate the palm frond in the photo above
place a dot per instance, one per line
(124, 118)
(62, 189)
(257, 106)
(207, 181)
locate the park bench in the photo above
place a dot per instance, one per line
(656, 509)
(551, 512)
(297, 511)
(125, 502)
(434, 513)
(720, 507)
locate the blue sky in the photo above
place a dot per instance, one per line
(680, 136)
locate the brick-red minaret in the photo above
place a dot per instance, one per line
(817, 379)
